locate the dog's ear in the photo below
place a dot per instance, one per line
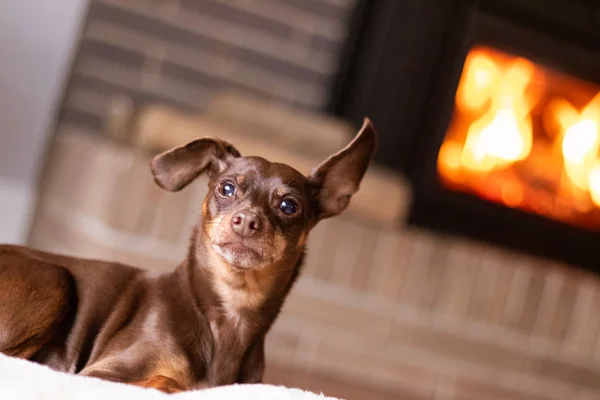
(176, 168)
(338, 177)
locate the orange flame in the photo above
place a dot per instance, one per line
(580, 144)
(503, 135)
(521, 137)
(481, 74)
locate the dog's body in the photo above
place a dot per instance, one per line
(120, 323)
(203, 324)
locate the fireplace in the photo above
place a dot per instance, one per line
(493, 111)
(526, 137)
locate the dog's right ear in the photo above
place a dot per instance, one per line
(338, 177)
(176, 168)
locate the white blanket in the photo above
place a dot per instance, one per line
(23, 380)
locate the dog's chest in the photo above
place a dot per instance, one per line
(229, 325)
(238, 301)
(233, 324)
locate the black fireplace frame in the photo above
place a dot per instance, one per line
(411, 102)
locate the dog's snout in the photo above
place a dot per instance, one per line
(246, 223)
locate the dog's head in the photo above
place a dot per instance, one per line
(258, 213)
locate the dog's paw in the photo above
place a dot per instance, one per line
(162, 383)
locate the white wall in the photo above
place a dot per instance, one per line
(37, 40)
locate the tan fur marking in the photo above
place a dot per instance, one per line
(205, 210)
(242, 290)
(174, 367)
(279, 245)
(162, 383)
(302, 239)
(211, 228)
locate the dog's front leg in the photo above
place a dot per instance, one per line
(226, 368)
(162, 383)
(158, 382)
(253, 365)
(225, 364)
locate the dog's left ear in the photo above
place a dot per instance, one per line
(176, 168)
(338, 178)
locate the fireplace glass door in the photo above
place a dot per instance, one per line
(525, 136)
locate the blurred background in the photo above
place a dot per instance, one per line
(465, 267)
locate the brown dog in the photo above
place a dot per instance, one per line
(203, 324)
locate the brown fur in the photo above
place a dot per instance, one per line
(204, 324)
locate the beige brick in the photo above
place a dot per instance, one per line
(151, 69)
(564, 310)
(312, 334)
(281, 342)
(171, 213)
(444, 388)
(548, 303)
(532, 302)
(316, 245)
(51, 234)
(311, 23)
(389, 263)
(402, 333)
(348, 249)
(374, 369)
(65, 166)
(96, 192)
(344, 387)
(228, 32)
(583, 375)
(108, 72)
(483, 350)
(459, 279)
(298, 44)
(148, 209)
(423, 245)
(197, 192)
(483, 289)
(454, 261)
(500, 291)
(470, 389)
(88, 101)
(594, 333)
(435, 273)
(585, 324)
(326, 313)
(309, 134)
(135, 197)
(168, 9)
(517, 294)
(363, 263)
(333, 236)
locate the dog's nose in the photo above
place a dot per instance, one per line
(246, 223)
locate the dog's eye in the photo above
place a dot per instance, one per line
(289, 207)
(227, 189)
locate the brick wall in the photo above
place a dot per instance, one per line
(181, 52)
(379, 313)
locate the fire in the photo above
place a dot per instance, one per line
(580, 145)
(503, 135)
(523, 136)
(482, 73)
